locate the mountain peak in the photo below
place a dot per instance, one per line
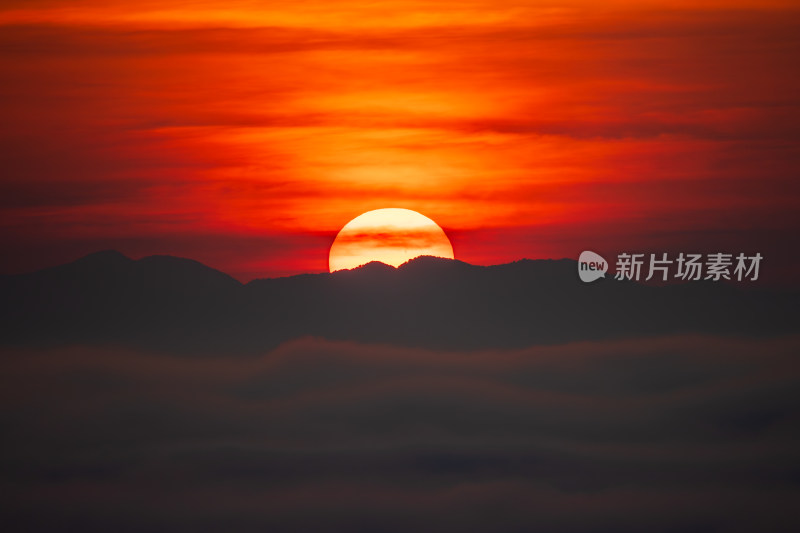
(373, 266)
(430, 262)
(97, 262)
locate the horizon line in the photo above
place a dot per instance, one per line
(121, 255)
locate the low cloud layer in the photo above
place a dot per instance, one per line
(673, 434)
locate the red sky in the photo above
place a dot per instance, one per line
(246, 136)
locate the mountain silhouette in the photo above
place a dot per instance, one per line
(179, 305)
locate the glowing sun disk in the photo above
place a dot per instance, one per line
(391, 236)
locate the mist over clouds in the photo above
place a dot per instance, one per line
(670, 434)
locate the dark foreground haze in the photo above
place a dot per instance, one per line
(162, 396)
(669, 434)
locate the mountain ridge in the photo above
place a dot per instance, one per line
(175, 304)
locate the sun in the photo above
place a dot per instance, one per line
(391, 236)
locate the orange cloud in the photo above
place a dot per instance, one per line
(536, 125)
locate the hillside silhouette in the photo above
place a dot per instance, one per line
(179, 305)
